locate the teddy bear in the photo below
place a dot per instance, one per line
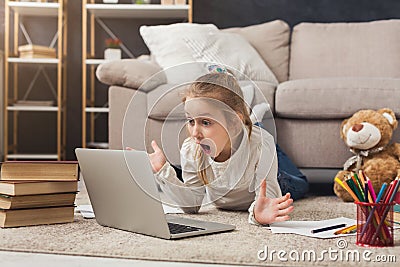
(367, 133)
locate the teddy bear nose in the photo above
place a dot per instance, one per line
(357, 127)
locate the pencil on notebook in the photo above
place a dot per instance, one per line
(346, 230)
(328, 228)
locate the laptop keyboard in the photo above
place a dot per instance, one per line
(176, 228)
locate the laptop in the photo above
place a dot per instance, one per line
(124, 195)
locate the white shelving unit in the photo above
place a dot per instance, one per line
(15, 11)
(94, 61)
(1, 102)
(93, 13)
(32, 108)
(35, 8)
(33, 60)
(138, 11)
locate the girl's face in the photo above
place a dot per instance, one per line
(207, 126)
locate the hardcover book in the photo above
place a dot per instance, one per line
(36, 51)
(40, 170)
(36, 201)
(47, 103)
(26, 217)
(18, 188)
(36, 48)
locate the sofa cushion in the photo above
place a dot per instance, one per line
(264, 92)
(367, 49)
(131, 73)
(119, 99)
(165, 103)
(312, 143)
(271, 41)
(197, 45)
(335, 98)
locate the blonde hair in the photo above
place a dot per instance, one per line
(225, 88)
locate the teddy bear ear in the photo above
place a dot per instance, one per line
(390, 116)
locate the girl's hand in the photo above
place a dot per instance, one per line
(270, 210)
(157, 158)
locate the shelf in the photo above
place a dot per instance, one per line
(15, 71)
(102, 145)
(138, 11)
(32, 156)
(35, 8)
(32, 108)
(96, 14)
(95, 61)
(33, 60)
(97, 109)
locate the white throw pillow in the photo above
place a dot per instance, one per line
(182, 43)
(248, 92)
(166, 45)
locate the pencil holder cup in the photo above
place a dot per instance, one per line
(374, 224)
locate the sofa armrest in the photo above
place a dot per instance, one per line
(119, 101)
(131, 73)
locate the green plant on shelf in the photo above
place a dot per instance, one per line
(140, 2)
(113, 43)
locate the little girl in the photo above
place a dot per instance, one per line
(226, 159)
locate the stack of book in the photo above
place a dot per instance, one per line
(37, 192)
(46, 103)
(36, 51)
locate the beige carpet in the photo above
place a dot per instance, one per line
(86, 237)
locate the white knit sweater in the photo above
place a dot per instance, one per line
(233, 184)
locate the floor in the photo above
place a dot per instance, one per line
(17, 259)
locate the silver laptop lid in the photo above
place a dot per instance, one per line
(117, 199)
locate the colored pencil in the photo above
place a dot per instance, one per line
(347, 188)
(358, 180)
(356, 191)
(394, 190)
(361, 176)
(388, 192)
(381, 192)
(367, 197)
(346, 229)
(328, 228)
(357, 186)
(371, 189)
(377, 200)
(373, 209)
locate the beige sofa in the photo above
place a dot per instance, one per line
(326, 72)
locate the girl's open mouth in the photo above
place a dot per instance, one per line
(206, 148)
